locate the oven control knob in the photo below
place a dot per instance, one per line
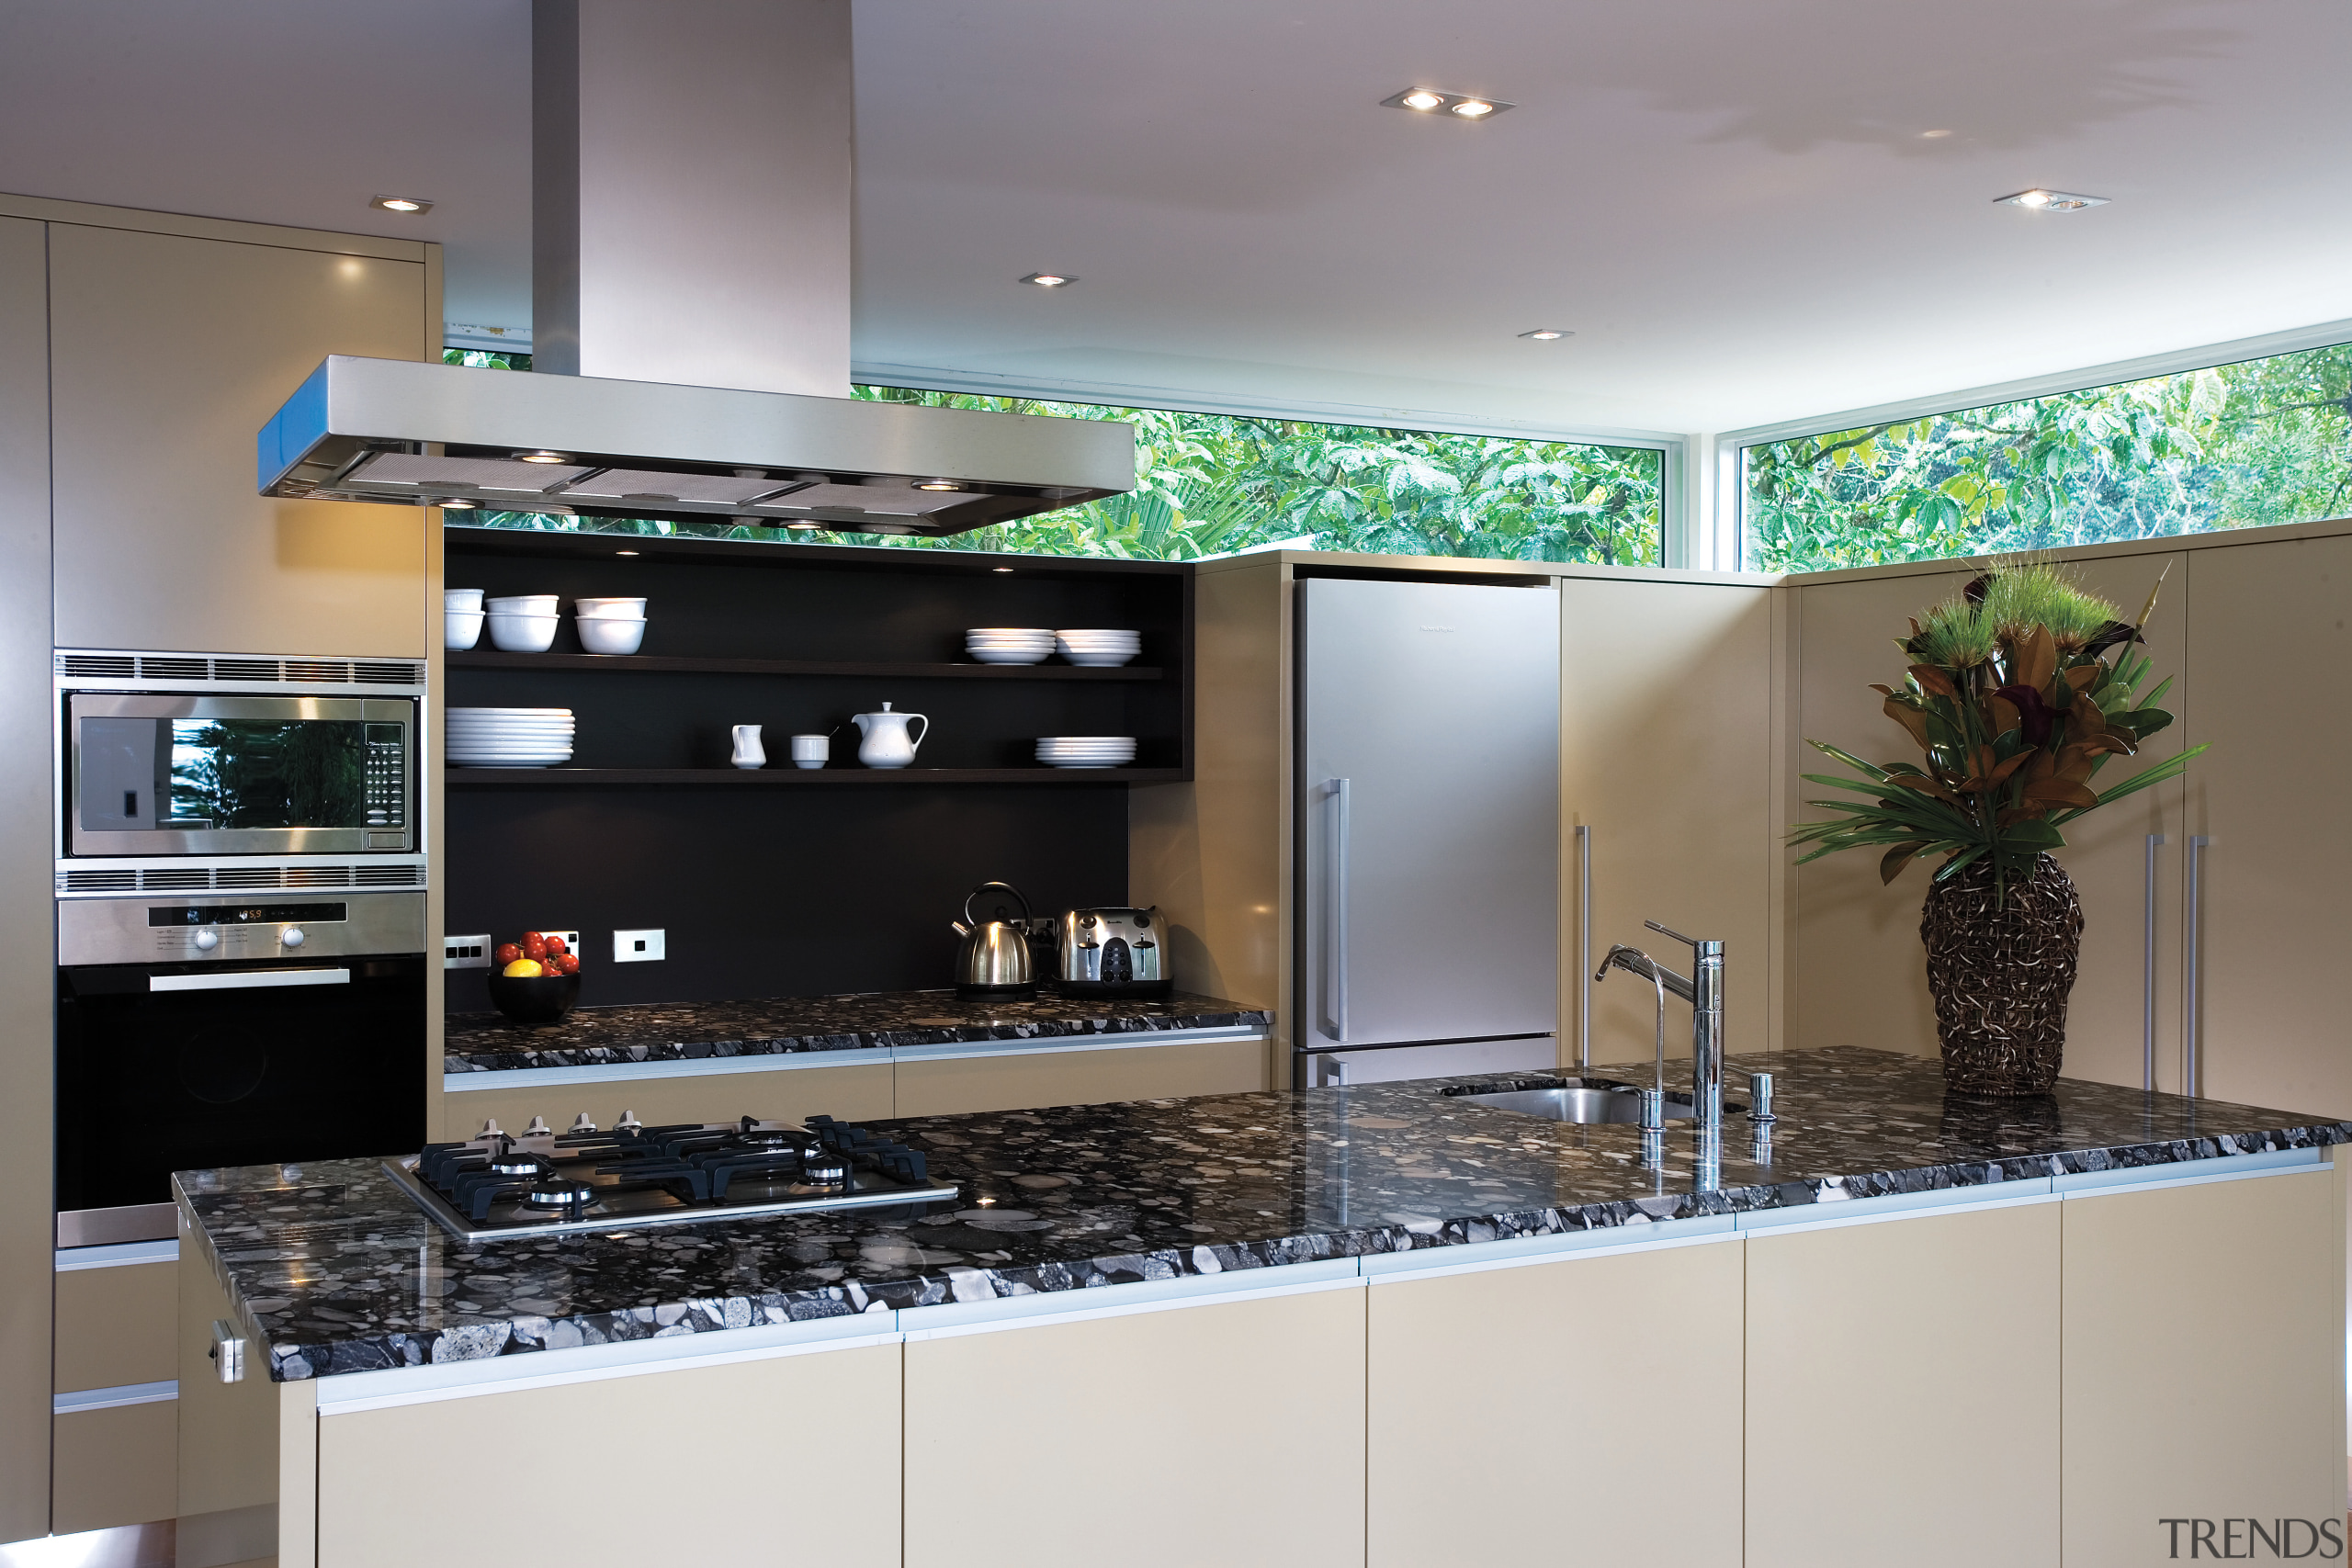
(291, 937)
(205, 941)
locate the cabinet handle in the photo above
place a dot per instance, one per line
(1335, 911)
(2189, 1031)
(2148, 969)
(228, 1351)
(248, 979)
(1584, 949)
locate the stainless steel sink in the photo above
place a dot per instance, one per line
(1589, 1099)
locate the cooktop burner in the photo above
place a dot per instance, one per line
(542, 1182)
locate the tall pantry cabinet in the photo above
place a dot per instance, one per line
(139, 353)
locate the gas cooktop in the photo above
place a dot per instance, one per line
(542, 1182)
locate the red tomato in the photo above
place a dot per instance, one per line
(556, 945)
(533, 945)
(566, 963)
(507, 954)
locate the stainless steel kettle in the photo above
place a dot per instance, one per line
(995, 962)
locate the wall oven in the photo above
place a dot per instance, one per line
(209, 1031)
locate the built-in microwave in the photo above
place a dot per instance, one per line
(238, 772)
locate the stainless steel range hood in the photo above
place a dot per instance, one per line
(390, 430)
(691, 215)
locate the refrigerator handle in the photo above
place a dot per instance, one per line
(1335, 909)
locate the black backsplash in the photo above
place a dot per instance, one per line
(785, 889)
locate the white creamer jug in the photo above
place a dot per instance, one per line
(887, 743)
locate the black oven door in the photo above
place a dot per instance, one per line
(187, 1067)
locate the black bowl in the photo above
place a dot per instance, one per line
(534, 998)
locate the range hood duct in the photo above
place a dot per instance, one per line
(690, 278)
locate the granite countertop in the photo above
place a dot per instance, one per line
(342, 1273)
(772, 1026)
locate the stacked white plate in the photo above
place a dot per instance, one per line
(1099, 647)
(509, 737)
(1009, 644)
(1086, 750)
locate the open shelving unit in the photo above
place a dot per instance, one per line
(639, 664)
(776, 777)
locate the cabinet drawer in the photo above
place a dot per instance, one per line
(850, 1093)
(117, 1466)
(114, 1326)
(1070, 1076)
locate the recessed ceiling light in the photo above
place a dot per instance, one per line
(1430, 100)
(1049, 279)
(1546, 334)
(937, 484)
(1006, 570)
(542, 457)
(623, 552)
(1933, 135)
(411, 204)
(2040, 200)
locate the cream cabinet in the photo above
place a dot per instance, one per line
(787, 1459)
(114, 1443)
(2202, 1362)
(1584, 1410)
(1072, 1074)
(167, 352)
(1903, 1392)
(1226, 1432)
(1667, 696)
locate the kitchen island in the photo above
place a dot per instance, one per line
(1308, 1327)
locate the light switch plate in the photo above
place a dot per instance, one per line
(465, 951)
(637, 947)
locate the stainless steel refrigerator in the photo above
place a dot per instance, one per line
(1428, 830)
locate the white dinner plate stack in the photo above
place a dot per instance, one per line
(1086, 750)
(509, 737)
(1009, 644)
(1103, 649)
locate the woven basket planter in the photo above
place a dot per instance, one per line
(2000, 975)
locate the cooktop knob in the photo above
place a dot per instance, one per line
(538, 1129)
(205, 941)
(292, 937)
(580, 1124)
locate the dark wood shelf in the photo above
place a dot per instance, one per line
(575, 778)
(666, 664)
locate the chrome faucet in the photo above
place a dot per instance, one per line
(1705, 991)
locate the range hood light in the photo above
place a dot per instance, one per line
(1049, 279)
(937, 484)
(803, 525)
(542, 457)
(457, 504)
(623, 552)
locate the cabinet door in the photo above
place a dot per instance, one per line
(167, 355)
(2203, 1365)
(2264, 618)
(1667, 696)
(1582, 1411)
(1227, 1433)
(793, 1094)
(1858, 974)
(789, 1459)
(1074, 1076)
(1903, 1393)
(113, 1467)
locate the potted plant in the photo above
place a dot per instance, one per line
(2019, 692)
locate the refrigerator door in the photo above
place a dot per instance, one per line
(1428, 812)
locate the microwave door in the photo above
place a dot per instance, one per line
(125, 774)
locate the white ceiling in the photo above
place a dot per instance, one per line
(1728, 201)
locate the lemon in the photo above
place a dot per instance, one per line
(523, 969)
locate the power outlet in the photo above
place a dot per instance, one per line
(465, 951)
(570, 939)
(639, 947)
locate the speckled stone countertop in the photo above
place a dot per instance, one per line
(772, 1026)
(342, 1273)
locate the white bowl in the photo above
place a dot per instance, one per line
(610, 634)
(1099, 634)
(524, 604)
(461, 629)
(613, 609)
(520, 713)
(461, 599)
(1099, 661)
(1010, 656)
(523, 634)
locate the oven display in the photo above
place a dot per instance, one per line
(242, 914)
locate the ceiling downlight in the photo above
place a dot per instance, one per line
(1050, 279)
(2041, 200)
(1451, 105)
(409, 205)
(1548, 334)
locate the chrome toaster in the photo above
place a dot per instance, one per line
(1113, 953)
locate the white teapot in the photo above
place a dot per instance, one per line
(887, 743)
